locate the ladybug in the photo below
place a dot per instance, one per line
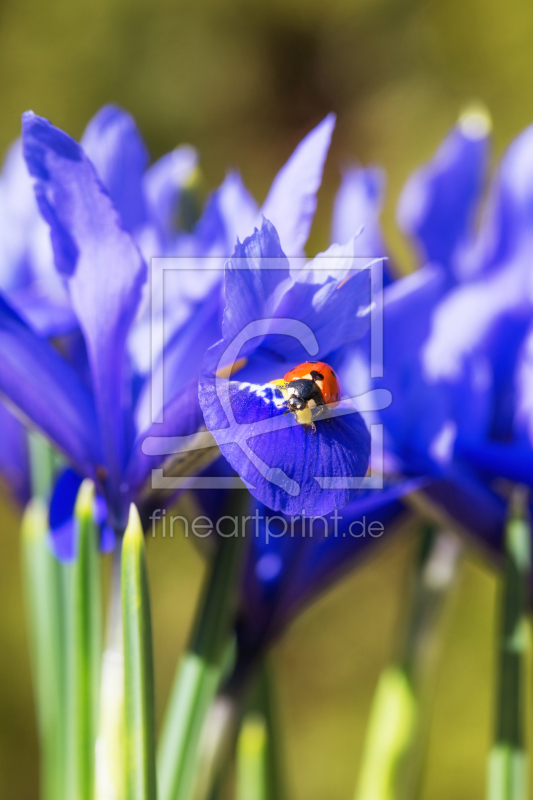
(310, 388)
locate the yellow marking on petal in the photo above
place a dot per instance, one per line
(281, 385)
(231, 369)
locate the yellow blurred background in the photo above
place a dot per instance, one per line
(244, 82)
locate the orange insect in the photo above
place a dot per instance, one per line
(310, 388)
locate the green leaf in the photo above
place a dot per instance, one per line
(396, 736)
(392, 719)
(507, 770)
(259, 773)
(139, 707)
(45, 583)
(252, 759)
(44, 462)
(199, 675)
(110, 743)
(86, 641)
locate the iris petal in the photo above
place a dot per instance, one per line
(47, 390)
(438, 202)
(282, 461)
(105, 268)
(116, 149)
(252, 276)
(27, 273)
(62, 522)
(291, 561)
(237, 207)
(163, 184)
(181, 417)
(356, 213)
(14, 463)
(291, 201)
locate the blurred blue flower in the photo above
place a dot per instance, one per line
(488, 319)
(455, 331)
(292, 560)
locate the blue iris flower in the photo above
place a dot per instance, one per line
(106, 212)
(277, 316)
(456, 331)
(86, 405)
(488, 319)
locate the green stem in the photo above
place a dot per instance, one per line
(110, 742)
(139, 691)
(44, 461)
(199, 674)
(507, 778)
(86, 647)
(393, 751)
(259, 769)
(252, 758)
(45, 581)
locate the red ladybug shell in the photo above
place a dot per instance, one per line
(328, 384)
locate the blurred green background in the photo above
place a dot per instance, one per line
(243, 81)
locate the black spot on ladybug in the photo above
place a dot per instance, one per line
(333, 373)
(316, 376)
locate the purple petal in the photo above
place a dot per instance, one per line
(331, 295)
(108, 539)
(524, 386)
(508, 214)
(510, 460)
(209, 234)
(290, 562)
(181, 360)
(465, 319)
(117, 151)
(438, 202)
(163, 184)
(459, 500)
(47, 391)
(14, 463)
(329, 298)
(291, 201)
(18, 217)
(283, 462)
(28, 276)
(357, 210)
(105, 268)
(62, 532)
(417, 413)
(62, 523)
(238, 209)
(182, 416)
(256, 269)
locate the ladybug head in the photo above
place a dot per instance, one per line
(301, 392)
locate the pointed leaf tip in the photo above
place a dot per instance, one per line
(85, 500)
(134, 527)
